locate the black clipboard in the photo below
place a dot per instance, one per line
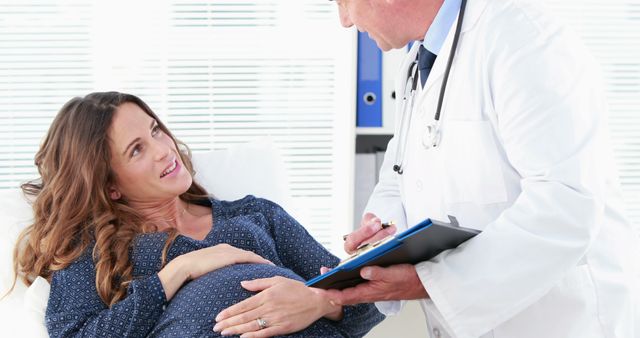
(416, 244)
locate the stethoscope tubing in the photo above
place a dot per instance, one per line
(409, 101)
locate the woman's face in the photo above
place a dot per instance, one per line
(144, 159)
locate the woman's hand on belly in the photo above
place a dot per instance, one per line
(199, 262)
(285, 305)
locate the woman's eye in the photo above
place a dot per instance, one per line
(155, 130)
(135, 151)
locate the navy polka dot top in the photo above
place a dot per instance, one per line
(258, 225)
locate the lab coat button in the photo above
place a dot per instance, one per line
(436, 333)
(419, 185)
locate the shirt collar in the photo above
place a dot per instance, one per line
(439, 29)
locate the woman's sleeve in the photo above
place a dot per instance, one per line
(301, 253)
(76, 310)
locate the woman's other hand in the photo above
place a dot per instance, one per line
(199, 262)
(285, 305)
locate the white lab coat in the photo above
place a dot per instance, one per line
(524, 158)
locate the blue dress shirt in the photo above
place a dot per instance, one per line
(439, 29)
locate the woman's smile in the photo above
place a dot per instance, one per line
(171, 170)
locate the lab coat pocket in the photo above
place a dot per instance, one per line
(472, 163)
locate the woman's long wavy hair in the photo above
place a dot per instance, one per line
(71, 202)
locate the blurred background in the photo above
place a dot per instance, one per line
(221, 73)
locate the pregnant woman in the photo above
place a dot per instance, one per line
(134, 247)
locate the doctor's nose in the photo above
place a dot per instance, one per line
(345, 19)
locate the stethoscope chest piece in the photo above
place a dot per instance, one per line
(431, 136)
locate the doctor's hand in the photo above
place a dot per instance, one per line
(370, 231)
(397, 282)
(285, 304)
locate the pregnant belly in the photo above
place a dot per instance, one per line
(192, 310)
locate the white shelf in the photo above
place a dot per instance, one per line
(373, 131)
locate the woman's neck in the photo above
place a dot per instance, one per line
(169, 213)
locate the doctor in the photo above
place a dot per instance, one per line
(519, 150)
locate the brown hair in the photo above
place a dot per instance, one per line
(72, 207)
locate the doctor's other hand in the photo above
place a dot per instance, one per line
(370, 231)
(396, 282)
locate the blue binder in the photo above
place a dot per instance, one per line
(416, 244)
(369, 92)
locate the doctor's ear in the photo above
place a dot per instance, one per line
(114, 194)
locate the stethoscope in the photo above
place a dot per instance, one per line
(432, 135)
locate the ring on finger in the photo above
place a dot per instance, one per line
(262, 323)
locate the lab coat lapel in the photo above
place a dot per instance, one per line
(472, 14)
(437, 72)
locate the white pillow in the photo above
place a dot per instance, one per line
(34, 307)
(255, 168)
(15, 214)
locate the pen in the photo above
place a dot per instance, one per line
(384, 226)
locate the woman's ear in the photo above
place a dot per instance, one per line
(114, 194)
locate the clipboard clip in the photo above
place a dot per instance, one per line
(453, 222)
(364, 248)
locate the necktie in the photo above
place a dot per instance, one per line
(425, 63)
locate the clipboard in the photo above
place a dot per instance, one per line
(416, 244)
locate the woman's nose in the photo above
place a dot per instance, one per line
(161, 150)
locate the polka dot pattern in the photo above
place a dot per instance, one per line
(254, 224)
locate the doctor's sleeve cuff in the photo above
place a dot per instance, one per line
(390, 307)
